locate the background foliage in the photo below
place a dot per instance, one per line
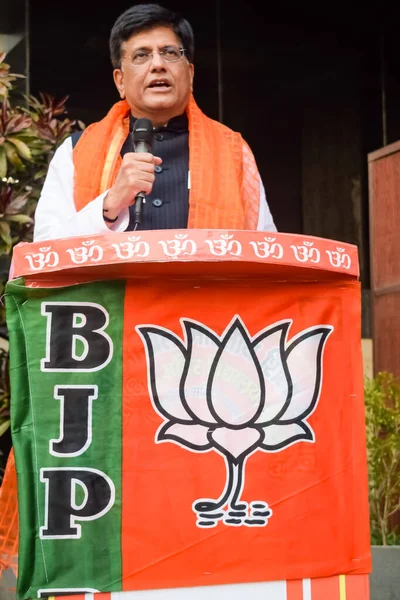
(30, 131)
(382, 401)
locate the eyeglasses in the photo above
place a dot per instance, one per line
(169, 53)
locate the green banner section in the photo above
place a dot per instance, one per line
(66, 405)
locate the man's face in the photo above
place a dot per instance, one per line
(156, 89)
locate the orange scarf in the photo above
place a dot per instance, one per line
(224, 179)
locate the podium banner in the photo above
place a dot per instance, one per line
(177, 432)
(340, 587)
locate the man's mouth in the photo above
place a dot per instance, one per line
(160, 84)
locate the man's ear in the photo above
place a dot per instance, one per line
(191, 71)
(119, 82)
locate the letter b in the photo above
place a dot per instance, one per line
(76, 340)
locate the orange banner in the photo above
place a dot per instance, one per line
(306, 470)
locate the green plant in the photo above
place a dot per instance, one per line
(29, 135)
(382, 401)
(30, 132)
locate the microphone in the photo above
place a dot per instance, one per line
(142, 142)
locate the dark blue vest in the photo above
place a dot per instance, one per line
(167, 207)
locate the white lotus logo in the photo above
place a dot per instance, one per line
(235, 394)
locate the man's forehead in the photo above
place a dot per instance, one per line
(156, 36)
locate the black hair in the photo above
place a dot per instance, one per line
(146, 16)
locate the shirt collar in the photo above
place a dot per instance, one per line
(177, 124)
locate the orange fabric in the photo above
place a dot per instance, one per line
(225, 184)
(93, 172)
(294, 589)
(327, 587)
(293, 480)
(343, 587)
(9, 517)
(357, 587)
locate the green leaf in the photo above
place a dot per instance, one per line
(3, 163)
(5, 232)
(40, 174)
(22, 149)
(3, 427)
(22, 219)
(12, 156)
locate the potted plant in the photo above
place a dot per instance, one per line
(30, 131)
(382, 402)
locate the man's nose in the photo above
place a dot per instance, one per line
(157, 61)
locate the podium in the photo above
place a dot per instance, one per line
(188, 417)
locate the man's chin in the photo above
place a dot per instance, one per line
(161, 103)
(162, 107)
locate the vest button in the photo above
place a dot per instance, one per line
(157, 202)
(159, 137)
(158, 169)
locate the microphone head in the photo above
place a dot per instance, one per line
(143, 131)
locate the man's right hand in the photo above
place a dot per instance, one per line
(136, 175)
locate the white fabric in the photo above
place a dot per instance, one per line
(56, 216)
(307, 589)
(265, 220)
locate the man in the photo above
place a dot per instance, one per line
(200, 173)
